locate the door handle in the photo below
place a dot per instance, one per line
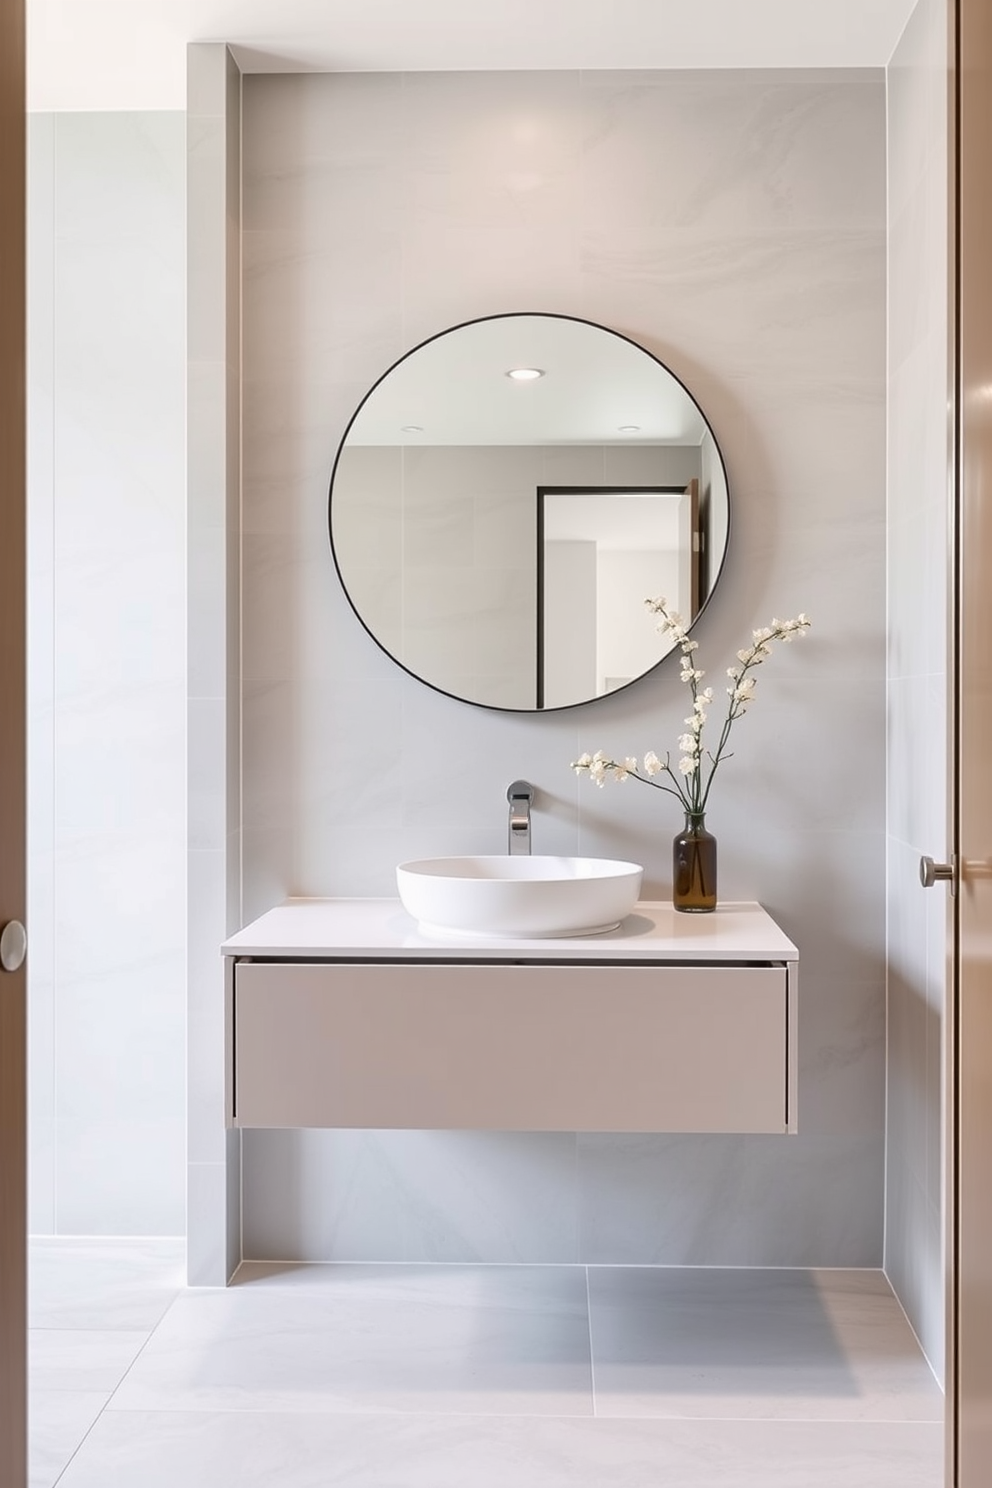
(13, 946)
(931, 872)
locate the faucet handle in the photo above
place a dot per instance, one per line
(520, 796)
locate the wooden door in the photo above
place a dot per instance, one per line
(13, 1216)
(970, 1353)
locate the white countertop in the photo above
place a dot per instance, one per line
(381, 929)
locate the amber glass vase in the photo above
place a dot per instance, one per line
(694, 867)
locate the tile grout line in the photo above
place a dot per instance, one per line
(916, 1336)
(100, 1413)
(592, 1362)
(75, 1451)
(106, 1405)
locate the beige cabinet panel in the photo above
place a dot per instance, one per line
(513, 1047)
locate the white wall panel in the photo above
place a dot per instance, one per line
(918, 534)
(108, 672)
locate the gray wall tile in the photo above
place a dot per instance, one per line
(734, 224)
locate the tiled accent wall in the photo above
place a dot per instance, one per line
(214, 665)
(734, 224)
(107, 789)
(918, 527)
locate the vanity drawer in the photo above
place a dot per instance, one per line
(511, 1048)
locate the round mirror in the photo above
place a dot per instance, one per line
(507, 496)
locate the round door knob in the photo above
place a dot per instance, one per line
(930, 872)
(13, 946)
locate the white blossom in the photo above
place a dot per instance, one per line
(597, 769)
(695, 770)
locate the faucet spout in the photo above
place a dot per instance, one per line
(520, 796)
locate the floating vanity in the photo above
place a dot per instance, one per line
(342, 1013)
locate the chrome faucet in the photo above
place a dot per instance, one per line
(520, 796)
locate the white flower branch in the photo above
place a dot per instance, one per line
(696, 766)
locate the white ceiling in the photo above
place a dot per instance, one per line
(130, 54)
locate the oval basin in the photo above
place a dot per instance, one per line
(520, 897)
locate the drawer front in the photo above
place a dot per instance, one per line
(523, 1048)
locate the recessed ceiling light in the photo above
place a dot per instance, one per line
(628, 429)
(525, 374)
(411, 429)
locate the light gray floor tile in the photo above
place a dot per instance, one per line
(492, 1339)
(257, 1450)
(102, 1283)
(437, 1376)
(58, 1420)
(826, 1345)
(80, 1358)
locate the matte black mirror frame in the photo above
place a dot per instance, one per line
(464, 325)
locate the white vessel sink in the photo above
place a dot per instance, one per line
(518, 897)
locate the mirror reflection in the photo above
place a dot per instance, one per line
(497, 533)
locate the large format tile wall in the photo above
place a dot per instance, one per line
(918, 527)
(106, 625)
(734, 224)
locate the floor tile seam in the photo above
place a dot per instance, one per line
(42, 1392)
(428, 1413)
(75, 1327)
(700, 1418)
(592, 1351)
(600, 1421)
(147, 1339)
(756, 1420)
(82, 1390)
(83, 1238)
(79, 1445)
(295, 1263)
(49, 1328)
